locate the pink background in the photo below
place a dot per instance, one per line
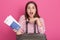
(48, 9)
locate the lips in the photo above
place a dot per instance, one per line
(31, 13)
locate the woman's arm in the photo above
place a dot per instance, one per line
(22, 23)
(41, 25)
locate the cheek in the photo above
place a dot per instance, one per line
(28, 10)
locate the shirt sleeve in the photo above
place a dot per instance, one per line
(22, 23)
(42, 28)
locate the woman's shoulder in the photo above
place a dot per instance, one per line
(22, 17)
(41, 19)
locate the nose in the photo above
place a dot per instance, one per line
(30, 9)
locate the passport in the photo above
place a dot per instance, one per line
(10, 21)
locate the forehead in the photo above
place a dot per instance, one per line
(31, 5)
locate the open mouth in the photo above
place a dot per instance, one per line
(31, 13)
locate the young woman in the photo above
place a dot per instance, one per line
(31, 15)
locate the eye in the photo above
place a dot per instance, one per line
(33, 7)
(28, 7)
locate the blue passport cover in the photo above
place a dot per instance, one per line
(14, 25)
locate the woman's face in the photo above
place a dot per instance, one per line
(31, 10)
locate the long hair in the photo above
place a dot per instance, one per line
(26, 14)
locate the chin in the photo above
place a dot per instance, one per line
(30, 15)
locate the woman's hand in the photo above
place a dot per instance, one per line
(14, 30)
(32, 20)
(39, 23)
(17, 32)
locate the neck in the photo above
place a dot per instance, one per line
(30, 17)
